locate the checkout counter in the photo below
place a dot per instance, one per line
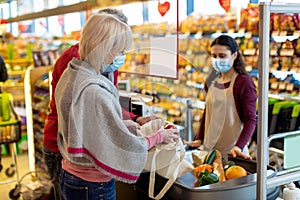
(234, 189)
(184, 188)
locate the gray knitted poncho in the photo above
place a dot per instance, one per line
(91, 132)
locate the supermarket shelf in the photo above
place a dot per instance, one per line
(19, 61)
(16, 72)
(284, 97)
(265, 10)
(77, 7)
(284, 8)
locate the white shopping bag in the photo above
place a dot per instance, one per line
(165, 159)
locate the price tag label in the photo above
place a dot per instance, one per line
(275, 33)
(290, 87)
(248, 35)
(189, 52)
(242, 31)
(231, 30)
(297, 33)
(249, 52)
(274, 85)
(198, 35)
(272, 69)
(287, 52)
(187, 34)
(248, 68)
(282, 86)
(273, 52)
(283, 33)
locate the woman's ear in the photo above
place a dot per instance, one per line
(235, 55)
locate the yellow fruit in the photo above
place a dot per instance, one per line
(235, 172)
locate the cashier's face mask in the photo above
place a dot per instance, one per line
(116, 64)
(221, 65)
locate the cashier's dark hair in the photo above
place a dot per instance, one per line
(239, 63)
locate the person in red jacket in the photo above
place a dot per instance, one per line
(51, 154)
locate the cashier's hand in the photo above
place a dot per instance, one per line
(143, 120)
(169, 135)
(132, 126)
(236, 151)
(195, 143)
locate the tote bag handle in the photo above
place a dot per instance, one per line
(171, 179)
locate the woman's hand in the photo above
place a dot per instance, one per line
(236, 151)
(132, 126)
(169, 135)
(195, 143)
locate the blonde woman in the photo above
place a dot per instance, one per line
(96, 146)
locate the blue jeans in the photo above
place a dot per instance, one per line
(52, 161)
(74, 188)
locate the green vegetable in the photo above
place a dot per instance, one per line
(228, 164)
(207, 178)
(209, 158)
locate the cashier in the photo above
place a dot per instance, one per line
(229, 118)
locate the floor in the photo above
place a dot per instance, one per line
(8, 183)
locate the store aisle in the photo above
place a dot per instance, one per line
(23, 166)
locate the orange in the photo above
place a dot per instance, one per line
(235, 172)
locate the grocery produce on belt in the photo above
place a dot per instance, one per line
(218, 166)
(235, 171)
(211, 169)
(198, 157)
(207, 178)
(202, 168)
(228, 164)
(209, 159)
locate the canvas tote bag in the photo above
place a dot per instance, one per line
(165, 159)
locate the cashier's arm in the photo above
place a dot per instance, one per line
(195, 143)
(236, 151)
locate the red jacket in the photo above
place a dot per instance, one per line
(51, 127)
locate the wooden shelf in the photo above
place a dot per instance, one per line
(20, 61)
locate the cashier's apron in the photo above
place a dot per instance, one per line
(222, 122)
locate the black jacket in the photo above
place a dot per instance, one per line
(3, 71)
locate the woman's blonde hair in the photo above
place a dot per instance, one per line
(103, 37)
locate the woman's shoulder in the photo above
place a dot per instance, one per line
(244, 82)
(243, 79)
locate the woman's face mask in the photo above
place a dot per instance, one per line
(221, 65)
(222, 58)
(118, 61)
